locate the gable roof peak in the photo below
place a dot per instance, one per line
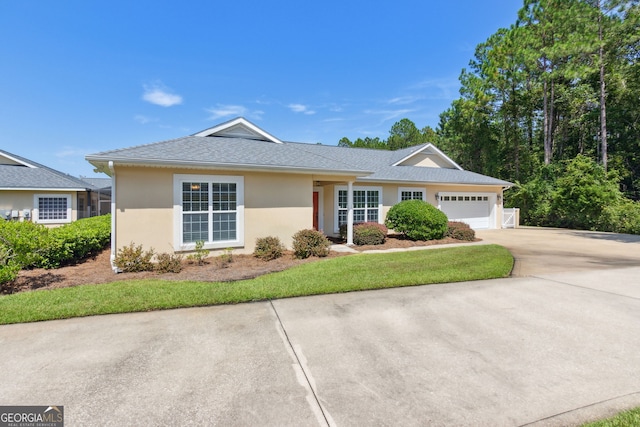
(239, 128)
(7, 158)
(428, 148)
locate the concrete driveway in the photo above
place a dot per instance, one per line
(559, 348)
(549, 250)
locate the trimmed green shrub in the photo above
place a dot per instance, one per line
(25, 240)
(8, 268)
(417, 220)
(75, 241)
(268, 248)
(460, 231)
(343, 231)
(33, 245)
(133, 258)
(369, 233)
(168, 263)
(308, 243)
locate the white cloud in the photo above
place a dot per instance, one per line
(299, 108)
(226, 110)
(158, 94)
(403, 100)
(389, 114)
(69, 152)
(144, 119)
(442, 88)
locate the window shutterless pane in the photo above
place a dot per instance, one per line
(224, 227)
(342, 217)
(195, 227)
(52, 208)
(372, 199)
(342, 199)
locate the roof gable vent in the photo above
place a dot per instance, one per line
(239, 128)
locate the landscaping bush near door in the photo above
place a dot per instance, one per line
(308, 243)
(369, 233)
(417, 220)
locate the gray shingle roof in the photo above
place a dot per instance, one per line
(238, 152)
(37, 177)
(225, 151)
(98, 183)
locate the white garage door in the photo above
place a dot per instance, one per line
(474, 209)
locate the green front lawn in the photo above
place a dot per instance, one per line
(343, 274)
(629, 418)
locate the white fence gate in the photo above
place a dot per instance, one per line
(510, 217)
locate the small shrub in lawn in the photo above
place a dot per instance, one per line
(133, 258)
(369, 233)
(168, 263)
(308, 243)
(460, 231)
(417, 220)
(268, 248)
(199, 255)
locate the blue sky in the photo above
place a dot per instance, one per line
(84, 76)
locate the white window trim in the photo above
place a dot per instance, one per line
(178, 179)
(338, 188)
(412, 189)
(36, 209)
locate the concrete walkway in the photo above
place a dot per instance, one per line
(559, 348)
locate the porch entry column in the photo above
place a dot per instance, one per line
(350, 213)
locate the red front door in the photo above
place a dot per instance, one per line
(315, 210)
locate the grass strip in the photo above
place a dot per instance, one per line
(343, 274)
(630, 418)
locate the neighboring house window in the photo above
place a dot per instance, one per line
(209, 208)
(410, 193)
(52, 209)
(367, 205)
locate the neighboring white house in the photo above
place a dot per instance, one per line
(34, 192)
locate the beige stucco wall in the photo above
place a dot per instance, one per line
(275, 205)
(23, 199)
(144, 213)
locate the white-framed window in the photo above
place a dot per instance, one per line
(367, 205)
(208, 208)
(411, 193)
(52, 208)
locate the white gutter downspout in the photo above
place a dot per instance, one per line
(350, 213)
(114, 246)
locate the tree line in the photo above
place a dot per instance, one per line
(555, 95)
